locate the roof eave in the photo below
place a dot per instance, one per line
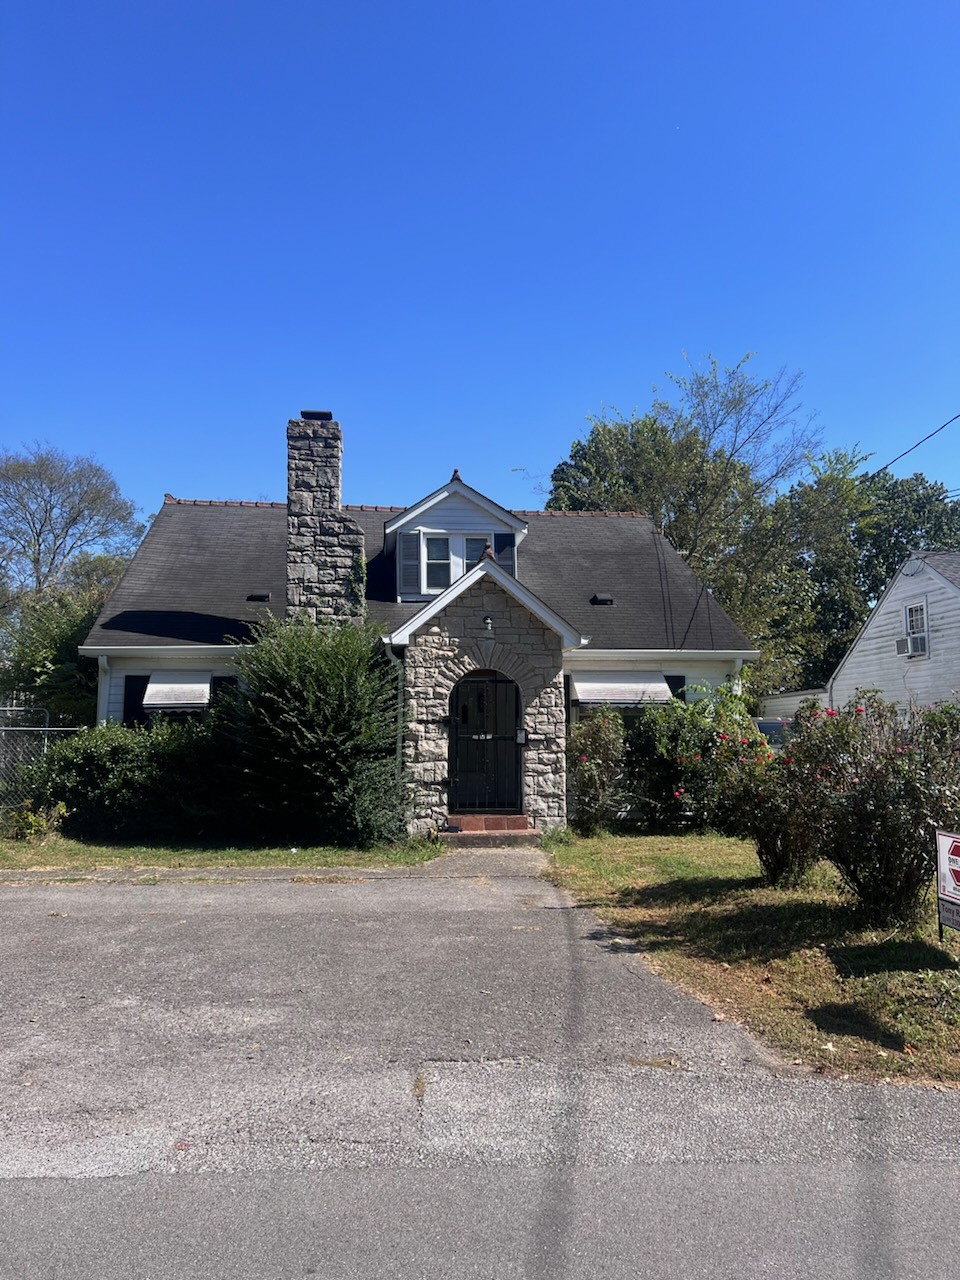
(445, 491)
(569, 636)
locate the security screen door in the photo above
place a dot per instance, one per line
(484, 753)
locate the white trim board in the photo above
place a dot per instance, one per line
(569, 636)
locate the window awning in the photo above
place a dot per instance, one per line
(619, 688)
(177, 691)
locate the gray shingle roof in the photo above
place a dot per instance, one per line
(945, 562)
(190, 580)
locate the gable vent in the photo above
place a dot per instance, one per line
(259, 597)
(601, 597)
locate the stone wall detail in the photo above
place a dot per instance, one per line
(325, 560)
(451, 646)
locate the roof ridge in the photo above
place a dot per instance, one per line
(170, 500)
(624, 515)
(367, 506)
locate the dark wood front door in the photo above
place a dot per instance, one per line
(484, 753)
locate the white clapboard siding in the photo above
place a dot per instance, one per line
(181, 660)
(873, 662)
(783, 706)
(456, 514)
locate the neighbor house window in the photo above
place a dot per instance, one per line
(915, 620)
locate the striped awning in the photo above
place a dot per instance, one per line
(619, 688)
(177, 691)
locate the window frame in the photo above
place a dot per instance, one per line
(456, 558)
(910, 631)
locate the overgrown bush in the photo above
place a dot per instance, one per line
(131, 784)
(305, 750)
(594, 766)
(680, 756)
(875, 780)
(310, 734)
(765, 800)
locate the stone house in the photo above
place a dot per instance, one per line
(509, 625)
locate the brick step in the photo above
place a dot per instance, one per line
(491, 839)
(488, 822)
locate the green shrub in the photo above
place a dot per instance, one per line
(310, 734)
(765, 800)
(594, 765)
(131, 784)
(876, 781)
(680, 757)
(25, 822)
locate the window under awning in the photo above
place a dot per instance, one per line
(619, 688)
(177, 691)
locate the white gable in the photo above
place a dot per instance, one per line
(875, 659)
(455, 513)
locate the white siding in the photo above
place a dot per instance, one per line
(179, 660)
(783, 706)
(873, 661)
(456, 514)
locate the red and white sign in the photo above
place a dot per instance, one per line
(948, 878)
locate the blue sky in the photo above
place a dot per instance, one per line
(467, 227)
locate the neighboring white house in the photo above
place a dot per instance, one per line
(909, 647)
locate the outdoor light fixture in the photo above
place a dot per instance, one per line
(488, 623)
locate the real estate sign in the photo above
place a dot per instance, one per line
(948, 880)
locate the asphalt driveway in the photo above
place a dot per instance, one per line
(448, 1070)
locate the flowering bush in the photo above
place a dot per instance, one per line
(765, 802)
(681, 757)
(877, 781)
(594, 764)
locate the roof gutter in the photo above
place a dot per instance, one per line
(157, 650)
(589, 657)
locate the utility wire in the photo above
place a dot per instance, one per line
(918, 444)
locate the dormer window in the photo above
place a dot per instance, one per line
(428, 562)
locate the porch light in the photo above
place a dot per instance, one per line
(487, 623)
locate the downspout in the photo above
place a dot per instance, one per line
(401, 688)
(103, 687)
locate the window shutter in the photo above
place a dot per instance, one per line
(408, 552)
(504, 545)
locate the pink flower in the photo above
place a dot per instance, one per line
(831, 711)
(724, 737)
(860, 710)
(679, 793)
(744, 742)
(788, 759)
(583, 759)
(696, 757)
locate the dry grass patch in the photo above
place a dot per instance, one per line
(796, 966)
(61, 856)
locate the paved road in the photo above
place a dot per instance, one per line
(445, 1071)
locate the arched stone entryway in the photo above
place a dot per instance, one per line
(484, 748)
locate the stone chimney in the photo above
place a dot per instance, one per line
(325, 561)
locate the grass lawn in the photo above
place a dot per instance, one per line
(61, 857)
(793, 965)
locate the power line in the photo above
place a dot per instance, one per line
(918, 444)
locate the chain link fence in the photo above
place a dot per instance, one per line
(25, 736)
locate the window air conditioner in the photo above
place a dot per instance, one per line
(912, 646)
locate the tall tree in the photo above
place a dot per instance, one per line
(52, 509)
(705, 469)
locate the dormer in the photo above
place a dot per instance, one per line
(443, 536)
